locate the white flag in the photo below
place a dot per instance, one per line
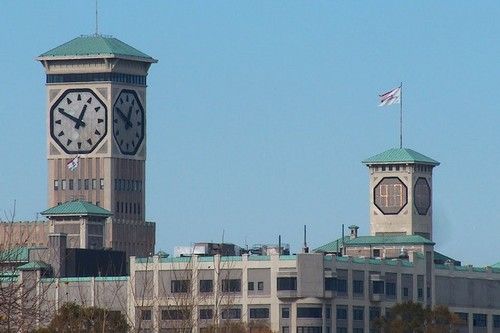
(73, 164)
(391, 97)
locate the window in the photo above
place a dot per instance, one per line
(70, 184)
(357, 287)
(328, 312)
(341, 312)
(496, 321)
(420, 293)
(378, 287)
(479, 320)
(463, 317)
(260, 285)
(374, 313)
(357, 330)
(233, 313)
(285, 329)
(259, 313)
(342, 285)
(206, 313)
(341, 329)
(331, 284)
(176, 314)
(63, 184)
(287, 283)
(101, 184)
(358, 313)
(179, 286)
(376, 253)
(94, 184)
(86, 184)
(146, 314)
(206, 286)
(309, 329)
(309, 312)
(390, 289)
(79, 182)
(250, 286)
(231, 285)
(285, 312)
(56, 185)
(405, 292)
(96, 77)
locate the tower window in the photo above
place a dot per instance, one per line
(94, 184)
(70, 184)
(56, 185)
(63, 184)
(86, 184)
(101, 183)
(79, 184)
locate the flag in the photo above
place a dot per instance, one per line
(73, 164)
(391, 97)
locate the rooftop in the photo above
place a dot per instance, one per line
(400, 155)
(95, 46)
(77, 207)
(374, 240)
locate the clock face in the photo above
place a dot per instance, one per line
(390, 195)
(422, 195)
(128, 122)
(78, 121)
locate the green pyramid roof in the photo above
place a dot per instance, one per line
(77, 207)
(95, 45)
(400, 155)
(497, 265)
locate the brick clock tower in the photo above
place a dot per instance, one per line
(401, 193)
(96, 116)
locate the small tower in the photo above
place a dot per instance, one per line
(401, 193)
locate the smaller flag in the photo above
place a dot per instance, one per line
(391, 97)
(73, 164)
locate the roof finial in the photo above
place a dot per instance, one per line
(96, 19)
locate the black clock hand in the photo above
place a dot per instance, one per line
(80, 117)
(129, 114)
(128, 124)
(75, 119)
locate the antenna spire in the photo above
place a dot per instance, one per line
(96, 19)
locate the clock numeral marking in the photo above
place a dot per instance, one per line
(117, 133)
(121, 100)
(137, 111)
(127, 145)
(79, 145)
(60, 109)
(100, 120)
(68, 101)
(79, 97)
(60, 133)
(97, 109)
(97, 132)
(89, 100)
(133, 102)
(126, 99)
(121, 142)
(137, 134)
(139, 123)
(58, 121)
(115, 121)
(68, 142)
(89, 141)
(133, 143)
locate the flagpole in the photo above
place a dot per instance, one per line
(401, 116)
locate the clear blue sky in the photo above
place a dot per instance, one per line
(261, 111)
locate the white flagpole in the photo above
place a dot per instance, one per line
(401, 115)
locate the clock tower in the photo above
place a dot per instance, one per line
(96, 119)
(400, 193)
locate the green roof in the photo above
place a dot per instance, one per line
(77, 207)
(400, 155)
(34, 266)
(17, 254)
(497, 265)
(95, 45)
(374, 240)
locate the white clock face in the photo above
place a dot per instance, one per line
(128, 122)
(78, 121)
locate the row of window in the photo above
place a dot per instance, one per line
(478, 319)
(78, 184)
(128, 185)
(418, 167)
(378, 287)
(229, 313)
(128, 208)
(97, 77)
(207, 286)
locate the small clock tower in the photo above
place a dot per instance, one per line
(401, 193)
(96, 118)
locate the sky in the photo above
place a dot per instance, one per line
(260, 112)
